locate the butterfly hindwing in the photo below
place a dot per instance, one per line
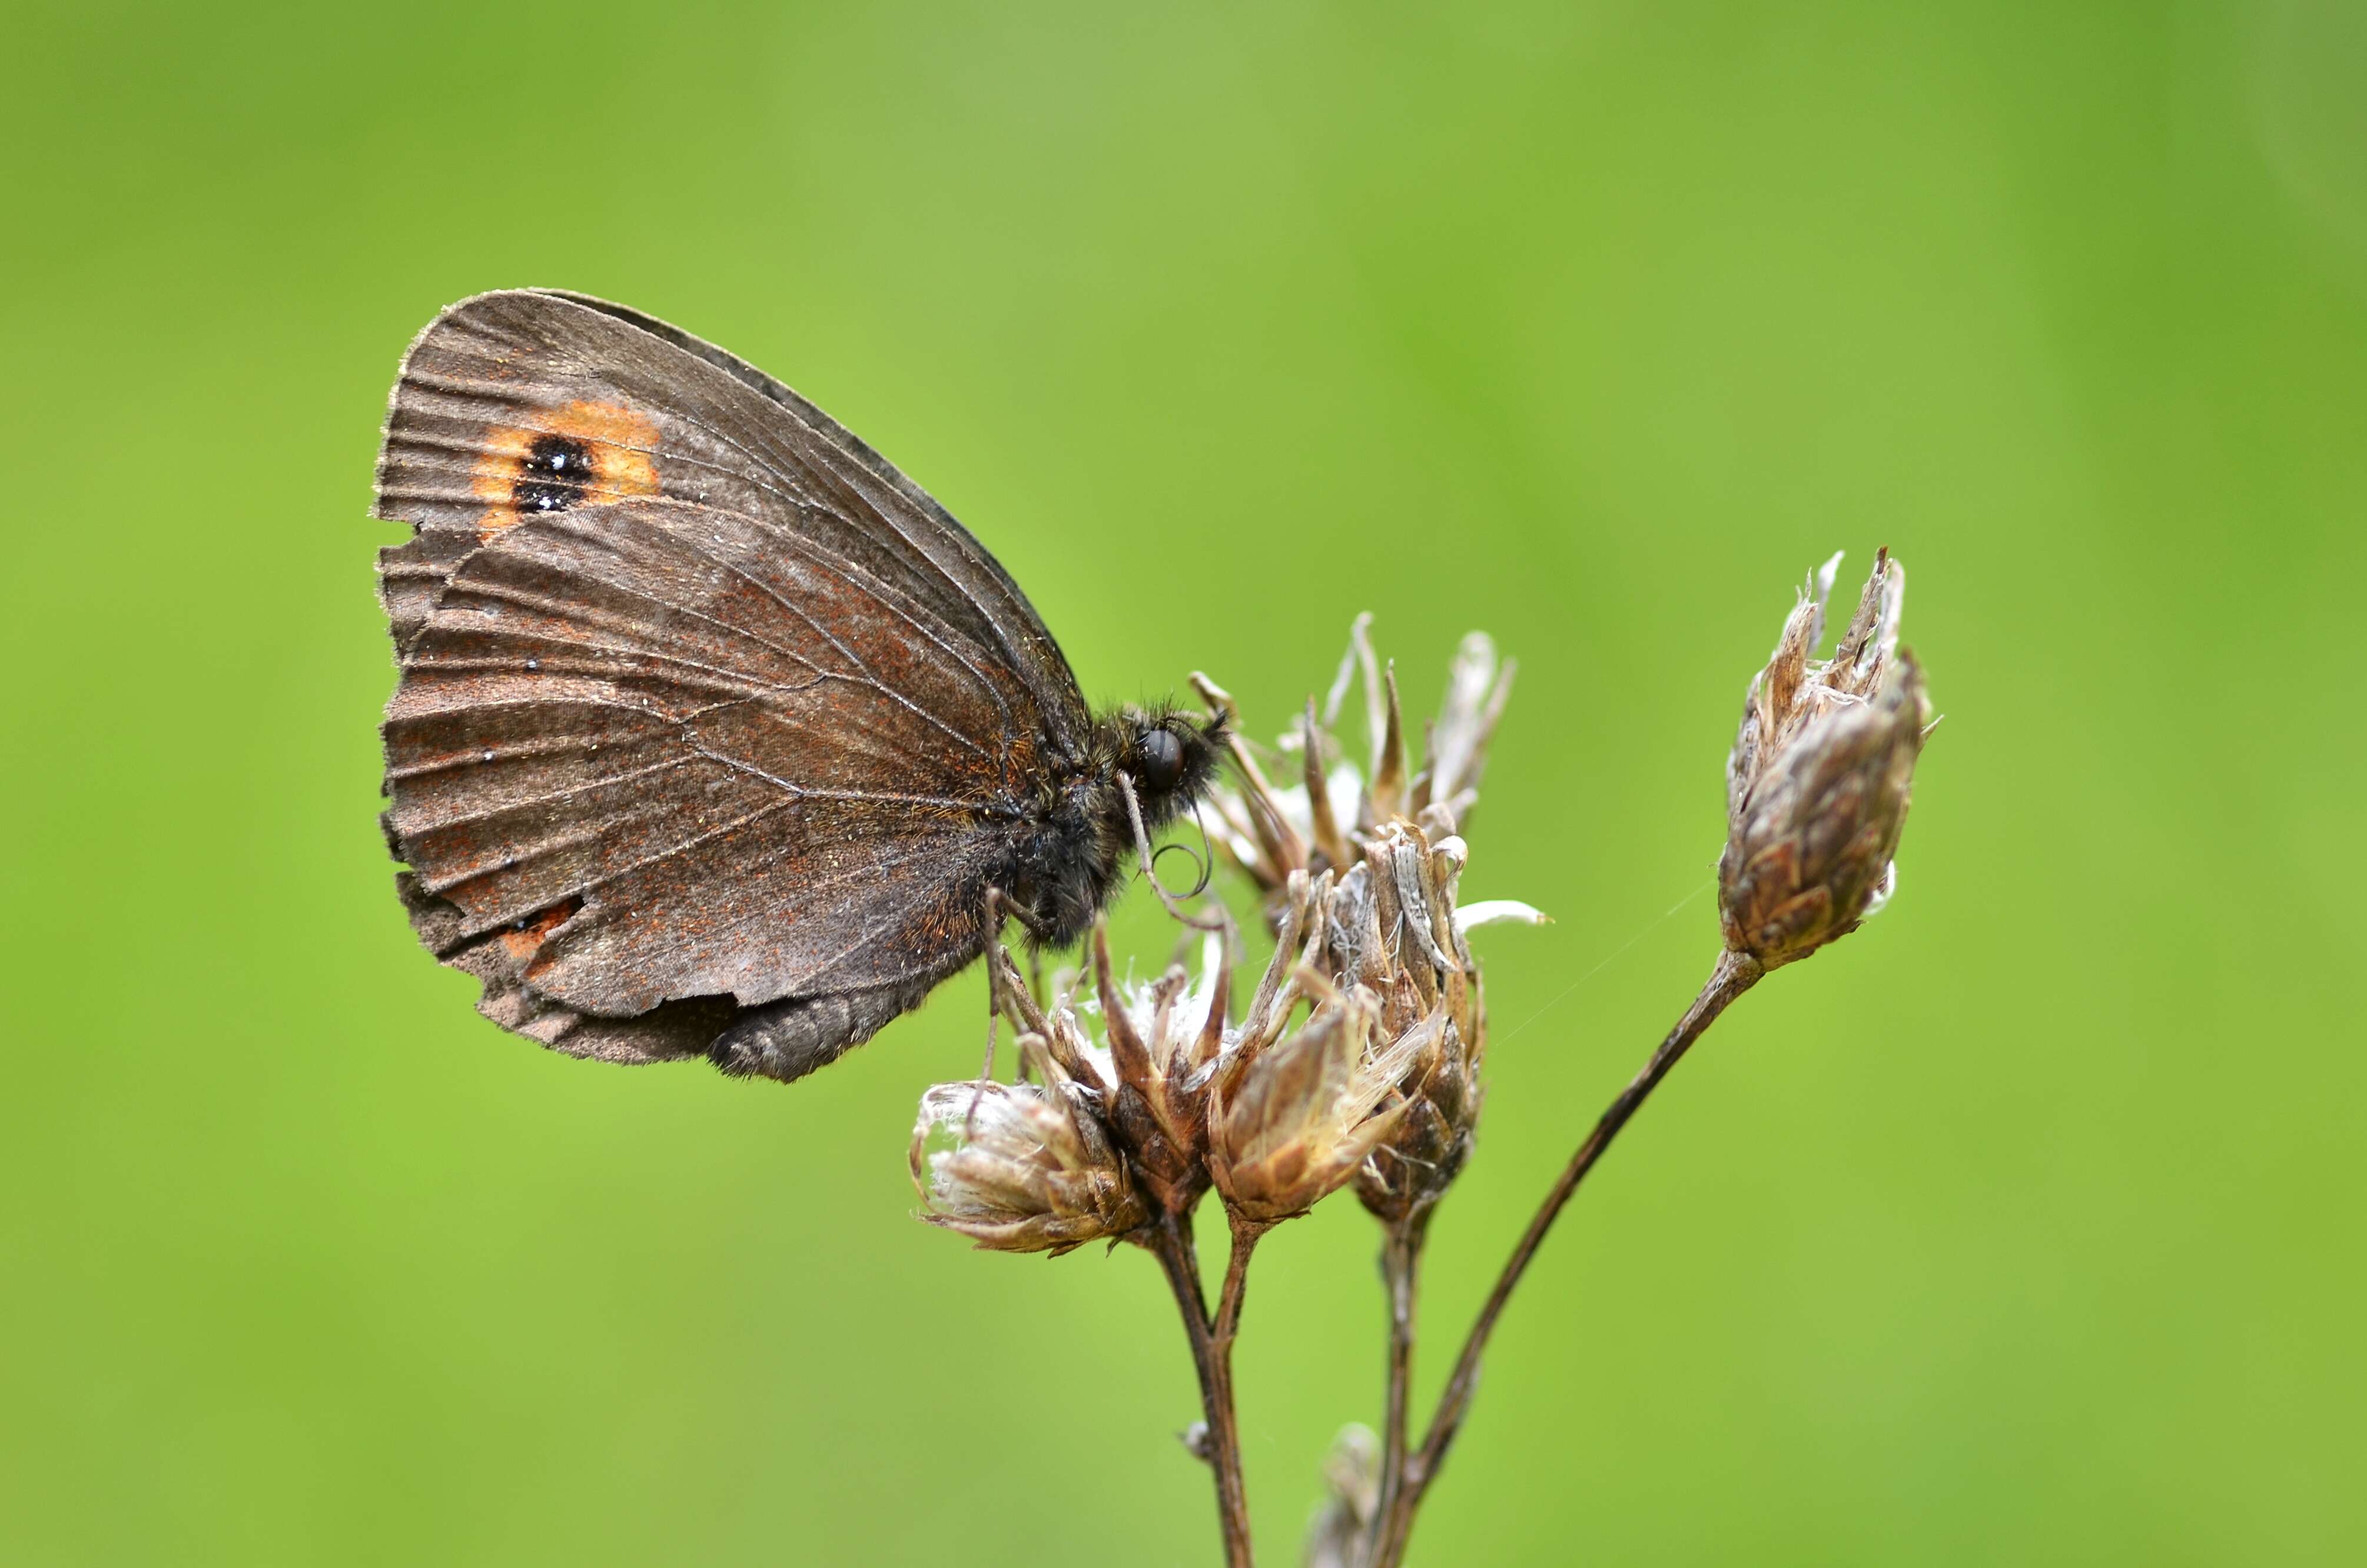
(608, 707)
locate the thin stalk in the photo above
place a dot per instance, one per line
(1237, 1280)
(1171, 1241)
(1735, 973)
(1227, 1329)
(1400, 1264)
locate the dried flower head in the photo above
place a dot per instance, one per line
(1311, 824)
(1388, 841)
(1395, 931)
(1389, 925)
(1029, 1168)
(1821, 777)
(1351, 1477)
(1294, 1113)
(1378, 1084)
(1149, 1083)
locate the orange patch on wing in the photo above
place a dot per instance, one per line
(520, 940)
(620, 443)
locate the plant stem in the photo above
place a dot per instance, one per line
(1400, 1262)
(1212, 1359)
(1245, 1235)
(1236, 1279)
(1735, 973)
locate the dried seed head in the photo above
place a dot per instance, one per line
(1148, 1085)
(1351, 1477)
(1028, 1167)
(1381, 918)
(1295, 1115)
(1821, 777)
(1311, 824)
(1378, 1084)
(1395, 931)
(1164, 1041)
(1289, 1126)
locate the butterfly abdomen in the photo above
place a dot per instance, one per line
(788, 1039)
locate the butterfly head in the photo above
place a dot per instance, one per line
(1171, 757)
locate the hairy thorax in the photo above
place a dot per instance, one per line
(1071, 848)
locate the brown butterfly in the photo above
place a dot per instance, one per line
(716, 735)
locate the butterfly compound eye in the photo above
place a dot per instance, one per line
(1162, 760)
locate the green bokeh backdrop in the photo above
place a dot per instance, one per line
(2025, 1226)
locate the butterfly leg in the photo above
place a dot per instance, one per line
(995, 907)
(1149, 861)
(994, 981)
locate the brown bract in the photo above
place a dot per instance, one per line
(1821, 775)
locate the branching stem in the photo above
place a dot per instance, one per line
(1171, 1239)
(1228, 1329)
(1735, 973)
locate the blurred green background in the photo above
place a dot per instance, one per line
(2024, 1227)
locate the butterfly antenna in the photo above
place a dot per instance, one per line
(1149, 862)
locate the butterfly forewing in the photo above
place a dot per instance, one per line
(512, 404)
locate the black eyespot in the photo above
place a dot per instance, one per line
(1162, 760)
(552, 475)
